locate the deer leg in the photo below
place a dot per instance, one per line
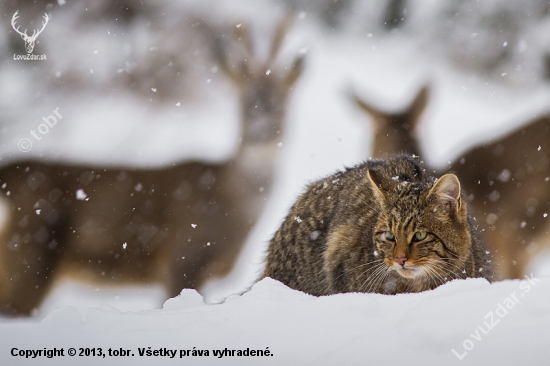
(184, 263)
(28, 268)
(198, 258)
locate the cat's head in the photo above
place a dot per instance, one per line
(422, 231)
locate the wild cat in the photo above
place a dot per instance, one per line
(383, 226)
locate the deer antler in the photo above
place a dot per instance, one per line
(24, 34)
(279, 36)
(35, 34)
(13, 19)
(243, 35)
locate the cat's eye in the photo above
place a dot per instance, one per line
(419, 235)
(389, 236)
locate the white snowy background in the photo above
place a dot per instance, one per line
(485, 61)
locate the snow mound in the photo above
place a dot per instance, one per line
(468, 320)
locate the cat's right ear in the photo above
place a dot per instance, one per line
(376, 183)
(446, 194)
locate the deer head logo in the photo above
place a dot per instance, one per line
(29, 40)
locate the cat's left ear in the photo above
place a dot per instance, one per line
(376, 182)
(446, 192)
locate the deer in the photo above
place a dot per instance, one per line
(179, 225)
(394, 131)
(29, 40)
(507, 180)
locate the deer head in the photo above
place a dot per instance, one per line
(394, 133)
(29, 40)
(263, 87)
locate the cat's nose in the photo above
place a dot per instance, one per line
(401, 260)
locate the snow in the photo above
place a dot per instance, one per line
(503, 323)
(115, 125)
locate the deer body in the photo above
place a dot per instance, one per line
(507, 184)
(179, 225)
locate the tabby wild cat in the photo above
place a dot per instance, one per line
(383, 226)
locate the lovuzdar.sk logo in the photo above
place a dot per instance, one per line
(29, 40)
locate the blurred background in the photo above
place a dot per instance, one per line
(138, 85)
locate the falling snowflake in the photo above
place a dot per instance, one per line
(81, 195)
(193, 225)
(154, 90)
(268, 72)
(376, 253)
(178, 104)
(545, 215)
(314, 235)
(298, 219)
(523, 224)
(124, 246)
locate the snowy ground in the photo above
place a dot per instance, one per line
(324, 133)
(467, 322)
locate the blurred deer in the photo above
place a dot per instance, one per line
(179, 225)
(507, 180)
(395, 132)
(29, 40)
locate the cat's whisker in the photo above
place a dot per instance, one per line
(439, 264)
(361, 265)
(370, 280)
(381, 279)
(446, 272)
(429, 276)
(436, 275)
(365, 271)
(373, 271)
(373, 277)
(449, 263)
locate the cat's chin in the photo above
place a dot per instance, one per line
(410, 272)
